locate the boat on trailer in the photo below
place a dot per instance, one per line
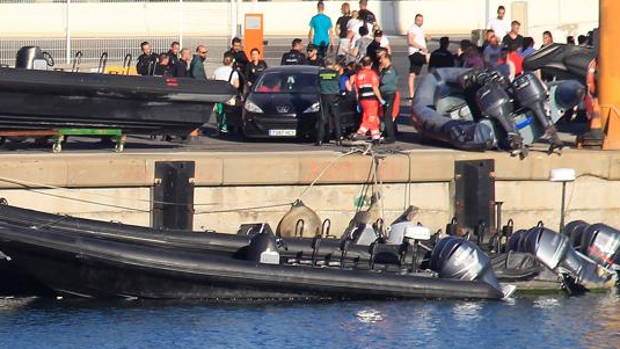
(33, 99)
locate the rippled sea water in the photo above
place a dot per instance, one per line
(590, 321)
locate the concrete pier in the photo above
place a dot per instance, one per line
(245, 187)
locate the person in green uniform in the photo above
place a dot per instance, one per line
(329, 82)
(387, 87)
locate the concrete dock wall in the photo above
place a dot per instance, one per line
(282, 18)
(234, 188)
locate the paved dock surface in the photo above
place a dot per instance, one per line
(408, 138)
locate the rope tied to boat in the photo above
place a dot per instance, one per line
(33, 187)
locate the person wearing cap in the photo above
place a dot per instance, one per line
(321, 30)
(329, 83)
(377, 43)
(313, 57)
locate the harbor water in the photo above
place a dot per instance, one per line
(550, 321)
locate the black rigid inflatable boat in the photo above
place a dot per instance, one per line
(37, 99)
(94, 267)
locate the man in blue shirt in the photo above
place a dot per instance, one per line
(321, 30)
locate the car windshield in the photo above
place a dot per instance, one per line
(284, 82)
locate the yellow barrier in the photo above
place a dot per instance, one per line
(116, 69)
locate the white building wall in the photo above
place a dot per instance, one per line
(562, 17)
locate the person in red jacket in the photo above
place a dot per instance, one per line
(366, 83)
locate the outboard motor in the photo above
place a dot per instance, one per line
(554, 251)
(456, 258)
(530, 92)
(603, 245)
(495, 103)
(574, 230)
(263, 248)
(31, 57)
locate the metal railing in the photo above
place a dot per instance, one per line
(117, 48)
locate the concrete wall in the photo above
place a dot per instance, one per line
(208, 19)
(236, 188)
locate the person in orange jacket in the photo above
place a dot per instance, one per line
(366, 83)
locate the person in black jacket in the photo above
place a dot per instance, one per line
(241, 60)
(173, 53)
(313, 57)
(147, 60)
(442, 58)
(181, 69)
(163, 67)
(294, 56)
(255, 68)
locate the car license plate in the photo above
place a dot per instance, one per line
(282, 133)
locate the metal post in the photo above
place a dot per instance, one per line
(181, 23)
(608, 77)
(562, 208)
(233, 18)
(487, 14)
(68, 31)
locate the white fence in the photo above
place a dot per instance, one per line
(180, 19)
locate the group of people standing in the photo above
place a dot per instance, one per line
(236, 68)
(362, 66)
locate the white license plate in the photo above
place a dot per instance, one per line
(282, 133)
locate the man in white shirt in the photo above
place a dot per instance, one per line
(499, 24)
(418, 53)
(229, 73)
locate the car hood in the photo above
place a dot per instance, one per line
(283, 103)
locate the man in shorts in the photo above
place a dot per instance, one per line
(418, 53)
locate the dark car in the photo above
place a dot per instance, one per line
(285, 102)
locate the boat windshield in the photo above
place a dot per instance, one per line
(284, 82)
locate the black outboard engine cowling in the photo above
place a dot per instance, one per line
(574, 230)
(531, 93)
(263, 248)
(31, 57)
(457, 258)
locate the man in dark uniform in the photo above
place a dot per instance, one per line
(388, 88)
(241, 61)
(294, 56)
(329, 82)
(173, 53)
(181, 69)
(147, 60)
(163, 67)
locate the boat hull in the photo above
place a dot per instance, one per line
(91, 267)
(31, 99)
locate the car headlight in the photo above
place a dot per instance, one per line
(313, 108)
(253, 108)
